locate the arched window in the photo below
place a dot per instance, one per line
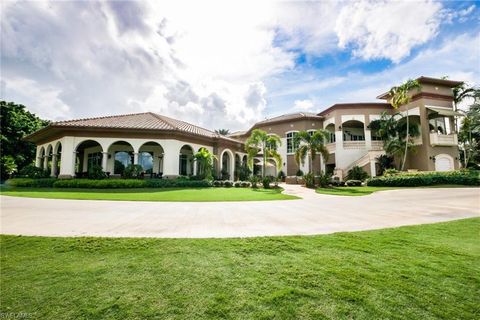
(145, 159)
(291, 146)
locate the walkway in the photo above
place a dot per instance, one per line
(314, 214)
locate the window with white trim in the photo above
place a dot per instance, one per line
(291, 146)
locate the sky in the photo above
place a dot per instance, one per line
(226, 64)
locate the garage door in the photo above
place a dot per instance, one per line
(443, 162)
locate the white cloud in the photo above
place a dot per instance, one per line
(387, 29)
(303, 105)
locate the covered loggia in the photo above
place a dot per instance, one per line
(120, 155)
(150, 157)
(227, 164)
(87, 154)
(353, 130)
(186, 161)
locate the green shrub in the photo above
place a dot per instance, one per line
(31, 183)
(426, 179)
(254, 181)
(357, 173)
(266, 182)
(237, 184)
(299, 173)
(31, 171)
(309, 180)
(353, 183)
(324, 179)
(118, 167)
(228, 184)
(217, 183)
(245, 184)
(390, 172)
(96, 172)
(133, 171)
(281, 176)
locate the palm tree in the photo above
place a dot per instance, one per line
(223, 132)
(260, 141)
(311, 144)
(400, 96)
(204, 159)
(461, 92)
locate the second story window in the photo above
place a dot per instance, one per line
(291, 146)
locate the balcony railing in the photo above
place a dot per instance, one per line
(377, 145)
(437, 139)
(330, 147)
(353, 144)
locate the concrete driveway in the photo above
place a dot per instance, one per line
(314, 214)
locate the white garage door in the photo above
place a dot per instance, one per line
(443, 162)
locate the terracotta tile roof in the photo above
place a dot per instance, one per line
(290, 116)
(141, 121)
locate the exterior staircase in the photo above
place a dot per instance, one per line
(362, 161)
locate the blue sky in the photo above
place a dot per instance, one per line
(227, 64)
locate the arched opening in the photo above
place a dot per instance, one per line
(271, 168)
(41, 158)
(121, 155)
(186, 160)
(353, 130)
(257, 167)
(227, 165)
(150, 157)
(244, 160)
(238, 166)
(88, 153)
(331, 129)
(49, 158)
(58, 158)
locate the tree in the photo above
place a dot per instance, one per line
(16, 123)
(394, 130)
(260, 141)
(400, 96)
(469, 134)
(223, 132)
(460, 93)
(311, 144)
(205, 160)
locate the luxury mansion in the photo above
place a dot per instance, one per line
(165, 146)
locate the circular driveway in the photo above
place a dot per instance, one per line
(314, 214)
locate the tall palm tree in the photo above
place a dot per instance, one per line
(400, 96)
(260, 141)
(223, 132)
(311, 144)
(205, 160)
(460, 93)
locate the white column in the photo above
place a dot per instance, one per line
(104, 161)
(38, 161)
(368, 139)
(373, 169)
(338, 140)
(322, 165)
(232, 167)
(194, 167)
(67, 158)
(171, 156)
(53, 169)
(45, 162)
(135, 158)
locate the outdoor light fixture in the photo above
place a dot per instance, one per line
(339, 127)
(432, 158)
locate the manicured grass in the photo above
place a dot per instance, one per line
(141, 194)
(418, 272)
(366, 190)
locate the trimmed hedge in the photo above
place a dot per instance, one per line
(108, 183)
(31, 183)
(418, 179)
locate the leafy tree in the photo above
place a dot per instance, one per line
(394, 130)
(386, 162)
(261, 142)
(357, 173)
(223, 132)
(469, 134)
(205, 160)
(400, 96)
(311, 145)
(16, 122)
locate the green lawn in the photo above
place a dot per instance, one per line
(143, 194)
(365, 190)
(418, 272)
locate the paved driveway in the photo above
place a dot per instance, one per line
(314, 214)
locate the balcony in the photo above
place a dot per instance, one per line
(330, 147)
(353, 144)
(447, 140)
(377, 145)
